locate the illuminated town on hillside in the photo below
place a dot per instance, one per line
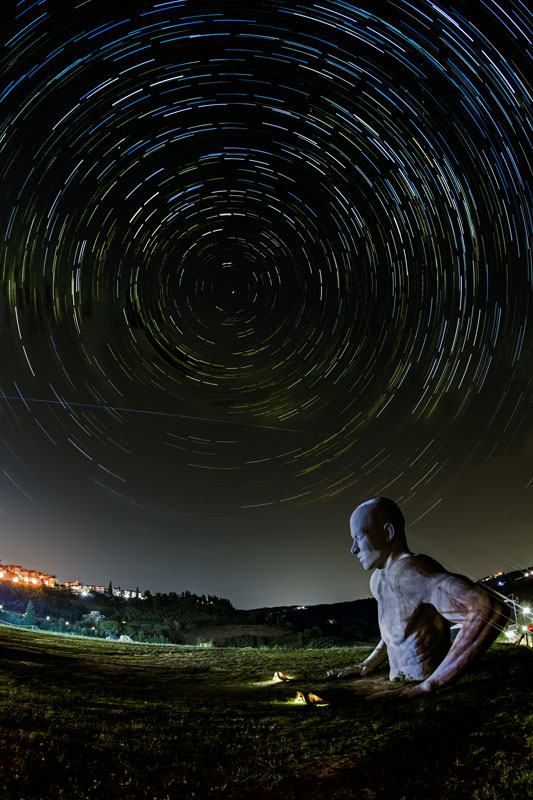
(34, 578)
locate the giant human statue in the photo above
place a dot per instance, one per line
(417, 600)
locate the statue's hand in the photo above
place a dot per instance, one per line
(396, 692)
(348, 672)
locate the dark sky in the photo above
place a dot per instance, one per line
(261, 262)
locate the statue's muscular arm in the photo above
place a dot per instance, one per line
(373, 661)
(376, 657)
(483, 617)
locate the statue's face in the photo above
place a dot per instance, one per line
(370, 544)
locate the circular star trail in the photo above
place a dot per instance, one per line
(264, 255)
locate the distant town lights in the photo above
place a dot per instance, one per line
(20, 575)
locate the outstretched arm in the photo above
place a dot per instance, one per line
(376, 657)
(483, 616)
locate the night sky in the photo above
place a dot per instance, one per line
(260, 262)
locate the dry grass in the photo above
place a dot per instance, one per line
(84, 718)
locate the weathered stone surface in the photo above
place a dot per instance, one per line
(417, 600)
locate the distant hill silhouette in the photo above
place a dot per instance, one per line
(187, 618)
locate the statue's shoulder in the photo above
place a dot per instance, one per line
(417, 572)
(425, 565)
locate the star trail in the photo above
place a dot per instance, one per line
(260, 263)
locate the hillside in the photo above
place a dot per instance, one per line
(186, 618)
(94, 719)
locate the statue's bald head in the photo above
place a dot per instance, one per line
(377, 528)
(381, 511)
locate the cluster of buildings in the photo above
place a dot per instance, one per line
(501, 578)
(26, 577)
(33, 578)
(85, 588)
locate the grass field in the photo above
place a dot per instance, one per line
(83, 718)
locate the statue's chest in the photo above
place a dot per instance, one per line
(395, 613)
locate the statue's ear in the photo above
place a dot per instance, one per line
(389, 531)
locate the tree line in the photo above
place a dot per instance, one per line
(158, 618)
